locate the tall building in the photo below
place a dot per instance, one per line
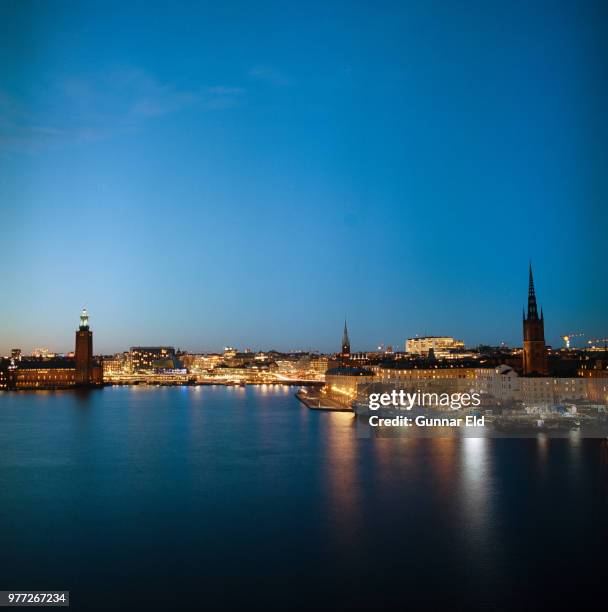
(56, 372)
(535, 356)
(345, 342)
(83, 354)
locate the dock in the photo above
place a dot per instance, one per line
(315, 400)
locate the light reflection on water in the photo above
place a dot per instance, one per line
(221, 478)
(341, 482)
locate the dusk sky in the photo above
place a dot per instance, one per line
(248, 173)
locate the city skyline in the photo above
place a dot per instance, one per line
(205, 176)
(345, 349)
(303, 305)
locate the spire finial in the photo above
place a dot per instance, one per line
(84, 319)
(532, 308)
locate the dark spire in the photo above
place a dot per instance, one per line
(532, 309)
(345, 340)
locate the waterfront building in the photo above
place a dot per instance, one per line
(114, 366)
(501, 386)
(48, 374)
(344, 380)
(496, 385)
(535, 354)
(58, 372)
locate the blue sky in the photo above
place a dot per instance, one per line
(247, 173)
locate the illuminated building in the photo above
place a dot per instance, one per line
(4, 374)
(318, 366)
(114, 365)
(344, 380)
(408, 373)
(151, 358)
(59, 373)
(598, 369)
(441, 346)
(201, 363)
(229, 352)
(16, 354)
(534, 355)
(250, 373)
(50, 374)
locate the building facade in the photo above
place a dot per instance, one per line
(345, 380)
(440, 346)
(153, 358)
(57, 372)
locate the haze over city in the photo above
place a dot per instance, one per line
(248, 175)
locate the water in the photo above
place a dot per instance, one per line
(227, 498)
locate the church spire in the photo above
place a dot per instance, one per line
(532, 308)
(534, 359)
(345, 341)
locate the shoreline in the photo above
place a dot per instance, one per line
(286, 383)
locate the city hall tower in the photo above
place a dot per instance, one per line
(83, 354)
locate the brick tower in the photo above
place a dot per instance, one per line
(535, 357)
(84, 351)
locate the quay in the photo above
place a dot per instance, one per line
(315, 399)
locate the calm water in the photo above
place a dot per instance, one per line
(230, 497)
